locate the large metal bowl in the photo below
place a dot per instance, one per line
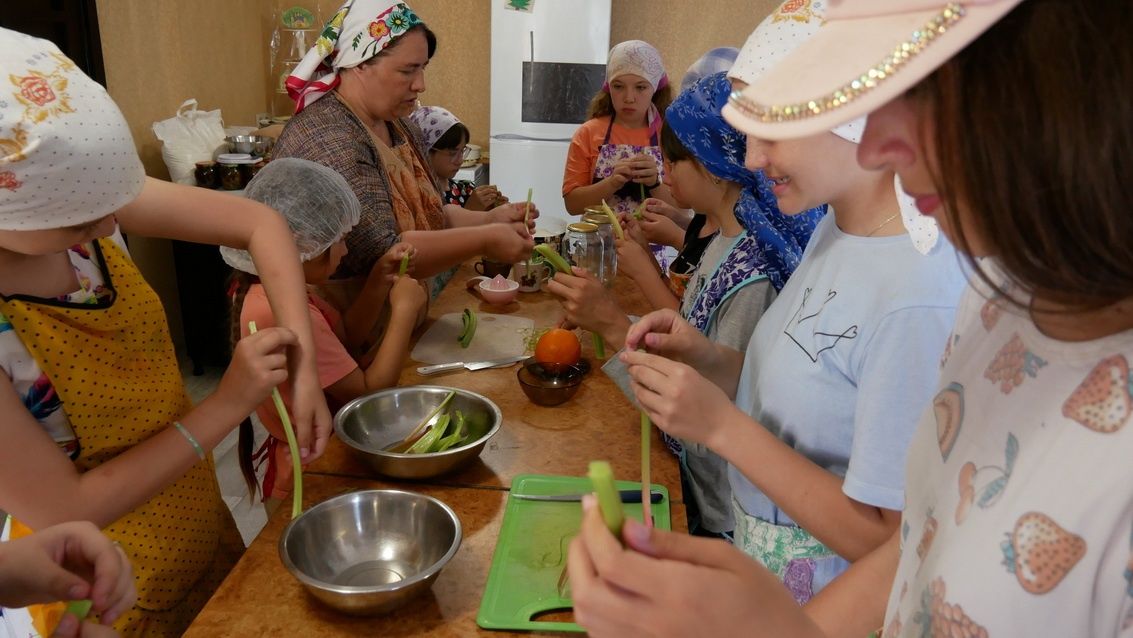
(371, 423)
(369, 552)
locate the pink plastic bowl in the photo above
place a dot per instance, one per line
(498, 297)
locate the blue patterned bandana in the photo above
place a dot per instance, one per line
(696, 120)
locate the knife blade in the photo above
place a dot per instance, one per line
(628, 496)
(470, 365)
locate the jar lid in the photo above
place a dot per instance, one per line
(583, 227)
(235, 158)
(596, 217)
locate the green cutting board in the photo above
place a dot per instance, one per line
(532, 547)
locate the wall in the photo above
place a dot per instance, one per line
(158, 53)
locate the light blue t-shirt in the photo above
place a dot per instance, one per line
(844, 361)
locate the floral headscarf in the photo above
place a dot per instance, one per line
(66, 153)
(696, 120)
(434, 122)
(359, 30)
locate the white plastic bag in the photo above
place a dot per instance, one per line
(189, 137)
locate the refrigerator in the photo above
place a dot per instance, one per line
(547, 63)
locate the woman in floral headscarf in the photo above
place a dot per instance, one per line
(353, 92)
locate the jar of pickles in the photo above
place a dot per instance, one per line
(597, 216)
(582, 247)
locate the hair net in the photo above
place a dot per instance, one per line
(318, 204)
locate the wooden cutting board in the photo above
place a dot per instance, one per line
(497, 337)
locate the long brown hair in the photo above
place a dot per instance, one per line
(238, 285)
(1034, 136)
(601, 106)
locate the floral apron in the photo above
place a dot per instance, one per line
(789, 551)
(626, 199)
(114, 369)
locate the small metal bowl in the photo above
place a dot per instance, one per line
(258, 145)
(370, 552)
(373, 422)
(548, 388)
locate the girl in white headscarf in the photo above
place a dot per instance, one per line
(616, 154)
(446, 137)
(97, 425)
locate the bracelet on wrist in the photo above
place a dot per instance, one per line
(191, 439)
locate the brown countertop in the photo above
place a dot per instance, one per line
(260, 597)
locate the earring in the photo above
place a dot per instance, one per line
(715, 180)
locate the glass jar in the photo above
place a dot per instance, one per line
(248, 172)
(582, 247)
(231, 178)
(595, 215)
(206, 174)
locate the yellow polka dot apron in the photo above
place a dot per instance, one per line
(113, 366)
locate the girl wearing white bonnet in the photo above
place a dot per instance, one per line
(97, 423)
(616, 154)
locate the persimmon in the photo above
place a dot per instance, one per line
(557, 350)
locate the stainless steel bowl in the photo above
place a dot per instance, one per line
(371, 423)
(258, 145)
(370, 552)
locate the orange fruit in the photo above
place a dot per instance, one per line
(557, 350)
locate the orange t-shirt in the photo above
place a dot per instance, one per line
(583, 152)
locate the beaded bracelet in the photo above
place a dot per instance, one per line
(191, 439)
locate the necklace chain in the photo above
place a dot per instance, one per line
(882, 224)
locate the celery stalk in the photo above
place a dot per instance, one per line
(292, 445)
(609, 501)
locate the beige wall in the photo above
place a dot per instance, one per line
(157, 54)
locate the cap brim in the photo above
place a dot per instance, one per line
(843, 51)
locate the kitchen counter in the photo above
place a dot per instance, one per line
(260, 597)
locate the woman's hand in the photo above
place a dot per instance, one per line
(666, 584)
(659, 229)
(68, 561)
(680, 401)
(507, 243)
(635, 261)
(589, 304)
(515, 213)
(622, 172)
(407, 297)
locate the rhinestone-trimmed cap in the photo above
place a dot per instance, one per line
(856, 63)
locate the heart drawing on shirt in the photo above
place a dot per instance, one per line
(806, 318)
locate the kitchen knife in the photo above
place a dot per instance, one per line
(470, 365)
(628, 496)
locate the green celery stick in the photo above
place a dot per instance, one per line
(79, 608)
(599, 345)
(609, 501)
(646, 426)
(426, 443)
(613, 220)
(292, 445)
(414, 435)
(404, 267)
(556, 260)
(527, 210)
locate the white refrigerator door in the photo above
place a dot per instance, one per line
(521, 164)
(563, 31)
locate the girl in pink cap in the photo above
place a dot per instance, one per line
(1018, 515)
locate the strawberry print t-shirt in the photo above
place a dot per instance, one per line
(1019, 512)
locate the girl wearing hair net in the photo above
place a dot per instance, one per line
(97, 425)
(320, 207)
